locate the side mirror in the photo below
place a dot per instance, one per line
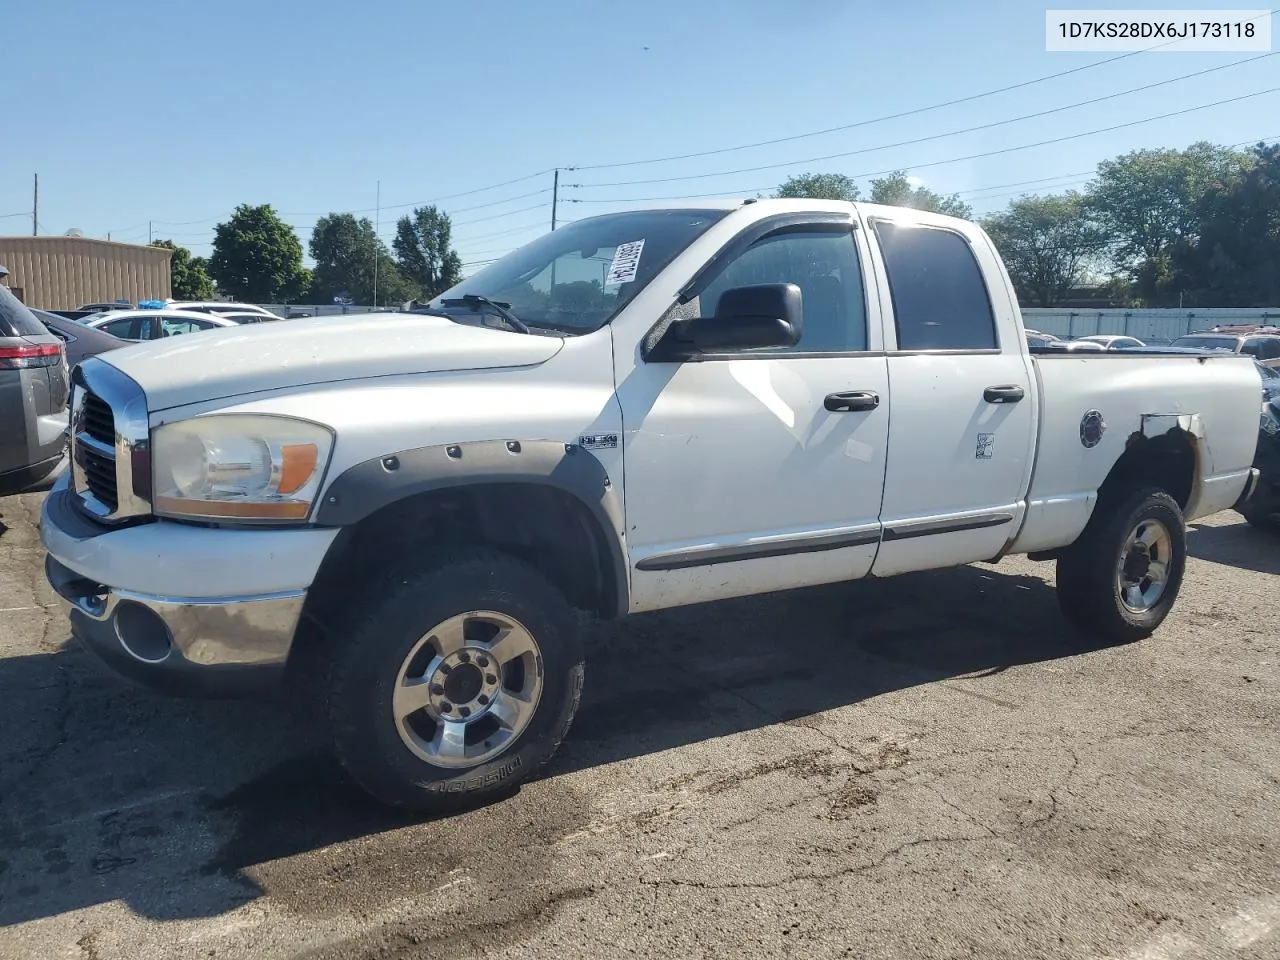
(762, 315)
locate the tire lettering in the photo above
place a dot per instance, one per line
(475, 783)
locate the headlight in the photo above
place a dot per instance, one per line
(239, 467)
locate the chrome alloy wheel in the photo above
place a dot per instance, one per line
(467, 689)
(1142, 572)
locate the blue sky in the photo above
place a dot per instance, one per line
(135, 111)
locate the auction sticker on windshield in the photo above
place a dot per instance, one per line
(626, 260)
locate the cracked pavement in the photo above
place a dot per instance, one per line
(929, 766)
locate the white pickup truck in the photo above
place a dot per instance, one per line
(637, 411)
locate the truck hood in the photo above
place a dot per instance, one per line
(235, 361)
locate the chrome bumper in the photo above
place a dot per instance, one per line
(182, 645)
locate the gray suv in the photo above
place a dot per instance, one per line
(33, 396)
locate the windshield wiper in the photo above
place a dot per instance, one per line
(474, 298)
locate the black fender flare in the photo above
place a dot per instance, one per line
(367, 487)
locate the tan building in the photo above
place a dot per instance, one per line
(62, 273)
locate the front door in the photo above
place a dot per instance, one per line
(741, 474)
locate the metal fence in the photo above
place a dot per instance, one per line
(1152, 326)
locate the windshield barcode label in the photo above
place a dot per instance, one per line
(626, 260)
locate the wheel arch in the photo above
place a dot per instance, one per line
(1165, 452)
(546, 502)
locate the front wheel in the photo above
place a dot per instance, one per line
(1121, 578)
(457, 684)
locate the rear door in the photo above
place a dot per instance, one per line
(963, 418)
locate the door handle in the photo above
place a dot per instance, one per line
(852, 402)
(1007, 394)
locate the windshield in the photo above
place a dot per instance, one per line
(576, 278)
(1206, 343)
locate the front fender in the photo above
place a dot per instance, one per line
(364, 489)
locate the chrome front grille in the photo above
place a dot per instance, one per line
(99, 421)
(110, 462)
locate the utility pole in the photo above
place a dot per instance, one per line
(148, 233)
(555, 196)
(35, 209)
(377, 225)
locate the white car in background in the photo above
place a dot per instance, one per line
(154, 324)
(218, 306)
(1112, 341)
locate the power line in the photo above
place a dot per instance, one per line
(937, 136)
(389, 206)
(503, 233)
(451, 196)
(971, 156)
(1024, 183)
(893, 116)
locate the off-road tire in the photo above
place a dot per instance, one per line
(1088, 592)
(367, 651)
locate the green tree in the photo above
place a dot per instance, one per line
(819, 186)
(1149, 201)
(425, 253)
(1046, 244)
(189, 276)
(896, 190)
(1234, 258)
(345, 250)
(257, 257)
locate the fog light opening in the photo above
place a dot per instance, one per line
(141, 632)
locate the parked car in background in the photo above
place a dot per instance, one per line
(1263, 347)
(1262, 509)
(243, 318)
(1110, 341)
(211, 306)
(80, 341)
(1270, 380)
(34, 381)
(101, 307)
(1037, 339)
(154, 324)
(1048, 343)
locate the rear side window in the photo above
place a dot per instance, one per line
(940, 301)
(170, 327)
(1264, 348)
(16, 320)
(126, 328)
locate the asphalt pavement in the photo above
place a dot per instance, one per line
(929, 766)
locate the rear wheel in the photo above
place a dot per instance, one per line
(457, 685)
(1121, 578)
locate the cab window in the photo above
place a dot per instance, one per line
(824, 265)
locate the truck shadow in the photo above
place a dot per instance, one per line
(1237, 545)
(187, 809)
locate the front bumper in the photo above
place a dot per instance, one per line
(184, 609)
(188, 647)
